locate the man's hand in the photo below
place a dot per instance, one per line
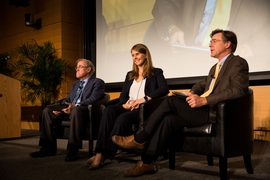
(57, 113)
(177, 36)
(195, 101)
(68, 109)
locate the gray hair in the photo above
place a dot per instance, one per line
(88, 64)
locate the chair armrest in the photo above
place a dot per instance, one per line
(234, 123)
(146, 109)
(113, 101)
(95, 113)
(96, 106)
(110, 102)
(202, 130)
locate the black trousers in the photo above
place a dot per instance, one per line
(172, 115)
(115, 121)
(51, 123)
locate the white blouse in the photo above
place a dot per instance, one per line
(136, 90)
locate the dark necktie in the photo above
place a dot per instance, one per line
(79, 92)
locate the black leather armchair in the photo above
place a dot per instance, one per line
(231, 135)
(92, 127)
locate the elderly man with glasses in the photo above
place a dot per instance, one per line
(86, 90)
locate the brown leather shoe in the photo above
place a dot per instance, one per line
(141, 169)
(127, 142)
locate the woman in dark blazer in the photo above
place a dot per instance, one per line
(142, 83)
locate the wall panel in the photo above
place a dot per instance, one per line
(61, 24)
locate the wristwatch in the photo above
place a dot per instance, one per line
(146, 98)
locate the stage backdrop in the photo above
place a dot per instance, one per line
(123, 23)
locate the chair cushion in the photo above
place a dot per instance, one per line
(65, 123)
(202, 130)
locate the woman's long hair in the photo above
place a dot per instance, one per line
(148, 69)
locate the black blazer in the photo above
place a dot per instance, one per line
(93, 90)
(155, 86)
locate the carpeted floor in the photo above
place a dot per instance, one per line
(16, 164)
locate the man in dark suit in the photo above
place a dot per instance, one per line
(197, 108)
(84, 91)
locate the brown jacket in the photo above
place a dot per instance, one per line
(232, 82)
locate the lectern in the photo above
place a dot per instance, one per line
(10, 107)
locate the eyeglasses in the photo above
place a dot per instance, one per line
(79, 67)
(213, 41)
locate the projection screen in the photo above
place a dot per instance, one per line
(124, 23)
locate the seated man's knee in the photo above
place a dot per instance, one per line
(46, 110)
(74, 110)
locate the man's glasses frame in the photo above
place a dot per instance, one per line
(214, 41)
(80, 67)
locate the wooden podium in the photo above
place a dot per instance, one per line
(10, 107)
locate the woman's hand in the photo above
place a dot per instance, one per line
(136, 103)
(128, 104)
(133, 104)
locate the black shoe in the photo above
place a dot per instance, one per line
(72, 156)
(42, 153)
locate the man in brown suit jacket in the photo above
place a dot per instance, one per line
(176, 112)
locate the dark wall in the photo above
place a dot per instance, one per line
(89, 22)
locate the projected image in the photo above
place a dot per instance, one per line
(177, 34)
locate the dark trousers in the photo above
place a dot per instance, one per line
(115, 121)
(172, 115)
(51, 123)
